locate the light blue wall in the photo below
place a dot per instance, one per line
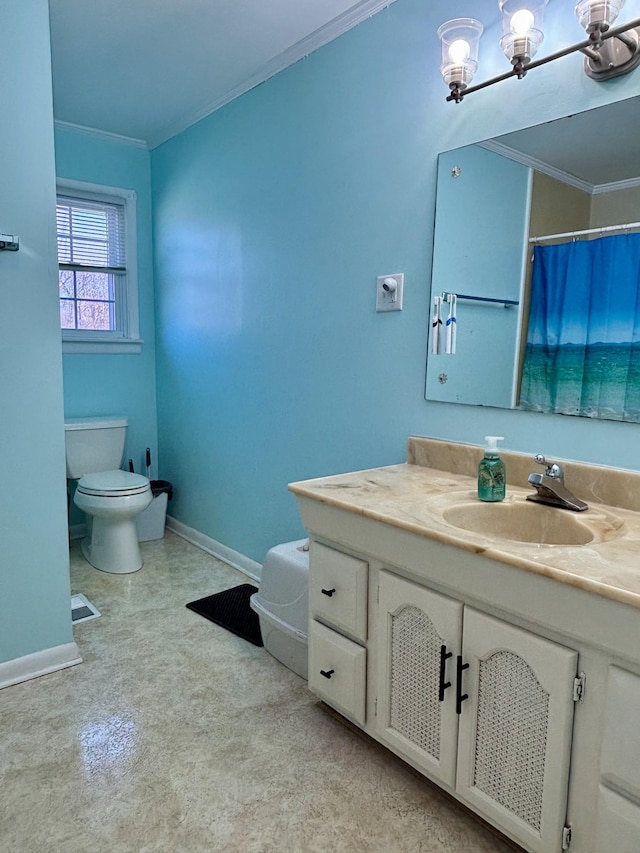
(105, 384)
(273, 218)
(34, 558)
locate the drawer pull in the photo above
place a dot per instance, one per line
(328, 592)
(327, 672)
(444, 657)
(460, 696)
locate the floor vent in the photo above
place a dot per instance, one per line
(82, 609)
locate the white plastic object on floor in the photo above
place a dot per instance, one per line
(282, 605)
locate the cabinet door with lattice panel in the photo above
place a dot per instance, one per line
(418, 636)
(514, 739)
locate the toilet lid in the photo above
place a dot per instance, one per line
(113, 483)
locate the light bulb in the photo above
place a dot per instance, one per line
(598, 14)
(521, 22)
(459, 40)
(521, 30)
(459, 51)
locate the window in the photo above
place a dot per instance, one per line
(97, 268)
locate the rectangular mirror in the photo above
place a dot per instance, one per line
(574, 179)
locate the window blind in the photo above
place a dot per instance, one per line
(90, 235)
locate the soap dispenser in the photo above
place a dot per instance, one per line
(491, 472)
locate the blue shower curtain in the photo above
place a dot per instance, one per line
(583, 346)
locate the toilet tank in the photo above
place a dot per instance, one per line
(94, 444)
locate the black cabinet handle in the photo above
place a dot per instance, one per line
(460, 696)
(444, 657)
(327, 672)
(328, 592)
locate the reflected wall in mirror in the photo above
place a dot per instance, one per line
(562, 182)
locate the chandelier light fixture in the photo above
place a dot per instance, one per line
(609, 51)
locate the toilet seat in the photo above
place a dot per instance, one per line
(113, 484)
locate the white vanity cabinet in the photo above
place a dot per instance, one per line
(338, 630)
(507, 672)
(479, 704)
(338, 590)
(338, 671)
(418, 635)
(618, 823)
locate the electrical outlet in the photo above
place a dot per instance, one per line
(389, 291)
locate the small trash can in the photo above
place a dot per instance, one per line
(150, 523)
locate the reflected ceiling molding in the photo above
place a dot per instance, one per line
(537, 165)
(554, 172)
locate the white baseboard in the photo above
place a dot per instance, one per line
(239, 561)
(39, 663)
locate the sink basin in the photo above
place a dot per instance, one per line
(521, 522)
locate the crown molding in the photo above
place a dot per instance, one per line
(335, 28)
(101, 134)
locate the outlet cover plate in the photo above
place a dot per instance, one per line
(386, 301)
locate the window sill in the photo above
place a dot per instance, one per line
(116, 346)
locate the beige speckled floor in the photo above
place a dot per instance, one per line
(175, 735)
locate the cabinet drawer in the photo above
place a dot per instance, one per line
(620, 756)
(618, 824)
(338, 590)
(343, 662)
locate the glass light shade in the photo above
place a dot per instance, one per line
(598, 14)
(522, 32)
(460, 39)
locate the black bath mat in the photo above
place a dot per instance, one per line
(231, 609)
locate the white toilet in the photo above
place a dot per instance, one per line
(110, 497)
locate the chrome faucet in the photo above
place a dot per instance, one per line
(550, 487)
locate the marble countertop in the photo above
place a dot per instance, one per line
(415, 498)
